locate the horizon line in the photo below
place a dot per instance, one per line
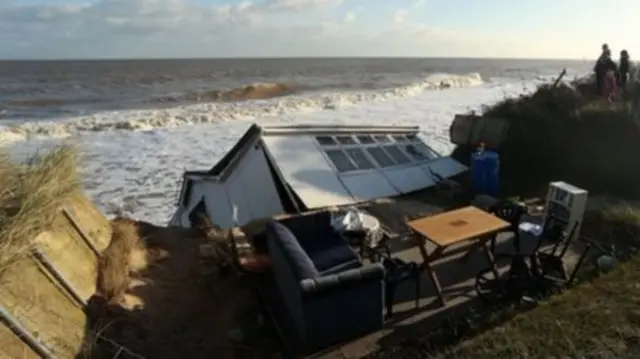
(96, 59)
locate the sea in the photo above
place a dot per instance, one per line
(141, 123)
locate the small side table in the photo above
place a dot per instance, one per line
(367, 237)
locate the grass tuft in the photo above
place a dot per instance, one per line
(30, 196)
(599, 319)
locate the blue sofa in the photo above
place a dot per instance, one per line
(329, 294)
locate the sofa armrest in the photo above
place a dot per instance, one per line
(342, 307)
(325, 285)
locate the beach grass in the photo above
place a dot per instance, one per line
(31, 193)
(599, 318)
(560, 133)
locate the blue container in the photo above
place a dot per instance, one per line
(492, 168)
(478, 172)
(485, 172)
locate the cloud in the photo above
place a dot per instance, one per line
(188, 28)
(349, 17)
(299, 5)
(112, 26)
(399, 16)
(132, 28)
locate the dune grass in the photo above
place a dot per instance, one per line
(559, 133)
(31, 193)
(599, 319)
(563, 134)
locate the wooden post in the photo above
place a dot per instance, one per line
(58, 277)
(24, 335)
(85, 237)
(557, 81)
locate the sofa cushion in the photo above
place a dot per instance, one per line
(329, 252)
(301, 264)
(326, 247)
(309, 227)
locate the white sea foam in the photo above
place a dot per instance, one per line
(137, 173)
(211, 113)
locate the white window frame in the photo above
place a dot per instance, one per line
(431, 155)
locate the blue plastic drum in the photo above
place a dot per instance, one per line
(492, 168)
(478, 172)
(485, 172)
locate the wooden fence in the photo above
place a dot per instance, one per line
(42, 296)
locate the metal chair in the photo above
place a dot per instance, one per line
(549, 264)
(512, 213)
(397, 271)
(536, 275)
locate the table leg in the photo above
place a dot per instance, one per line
(421, 242)
(482, 244)
(417, 283)
(490, 253)
(436, 283)
(426, 266)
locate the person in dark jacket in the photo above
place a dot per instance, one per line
(610, 78)
(623, 69)
(635, 92)
(599, 68)
(606, 67)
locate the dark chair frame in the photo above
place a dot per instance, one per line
(537, 275)
(397, 272)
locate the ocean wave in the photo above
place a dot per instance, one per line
(36, 102)
(257, 91)
(213, 112)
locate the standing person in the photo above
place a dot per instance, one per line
(600, 70)
(635, 92)
(623, 69)
(610, 83)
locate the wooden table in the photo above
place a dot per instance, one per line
(454, 227)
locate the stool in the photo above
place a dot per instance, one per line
(397, 271)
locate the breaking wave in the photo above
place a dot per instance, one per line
(37, 102)
(257, 91)
(257, 100)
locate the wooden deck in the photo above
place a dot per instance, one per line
(456, 274)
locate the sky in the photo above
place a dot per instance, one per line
(71, 29)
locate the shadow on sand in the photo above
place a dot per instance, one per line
(159, 297)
